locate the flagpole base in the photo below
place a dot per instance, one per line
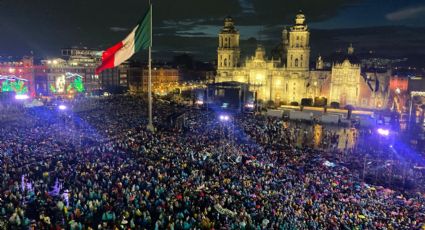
(151, 128)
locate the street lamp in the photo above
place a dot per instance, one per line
(224, 118)
(199, 102)
(383, 132)
(21, 97)
(250, 105)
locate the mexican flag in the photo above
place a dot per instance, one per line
(138, 39)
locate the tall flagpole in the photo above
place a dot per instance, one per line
(150, 126)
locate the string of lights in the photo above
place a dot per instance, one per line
(11, 77)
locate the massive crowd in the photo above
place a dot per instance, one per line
(100, 169)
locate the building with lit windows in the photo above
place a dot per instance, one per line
(62, 73)
(17, 75)
(81, 63)
(290, 79)
(164, 80)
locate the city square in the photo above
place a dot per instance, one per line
(264, 131)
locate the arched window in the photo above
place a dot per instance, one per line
(296, 62)
(225, 62)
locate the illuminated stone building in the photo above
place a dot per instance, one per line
(345, 81)
(271, 80)
(164, 80)
(290, 78)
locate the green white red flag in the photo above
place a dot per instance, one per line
(139, 39)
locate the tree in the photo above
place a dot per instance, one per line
(335, 105)
(320, 101)
(350, 109)
(307, 102)
(271, 104)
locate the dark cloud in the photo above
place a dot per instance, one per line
(407, 13)
(247, 6)
(384, 41)
(283, 11)
(189, 34)
(118, 29)
(45, 26)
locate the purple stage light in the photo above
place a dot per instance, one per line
(62, 107)
(383, 132)
(21, 97)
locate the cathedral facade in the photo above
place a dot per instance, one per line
(290, 78)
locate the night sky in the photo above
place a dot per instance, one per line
(44, 26)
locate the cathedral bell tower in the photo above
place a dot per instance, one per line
(319, 63)
(228, 46)
(298, 52)
(285, 45)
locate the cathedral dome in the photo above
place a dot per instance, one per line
(260, 52)
(229, 25)
(228, 22)
(228, 18)
(300, 18)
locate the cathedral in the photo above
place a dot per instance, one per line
(290, 79)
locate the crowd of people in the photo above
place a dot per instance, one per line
(101, 169)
